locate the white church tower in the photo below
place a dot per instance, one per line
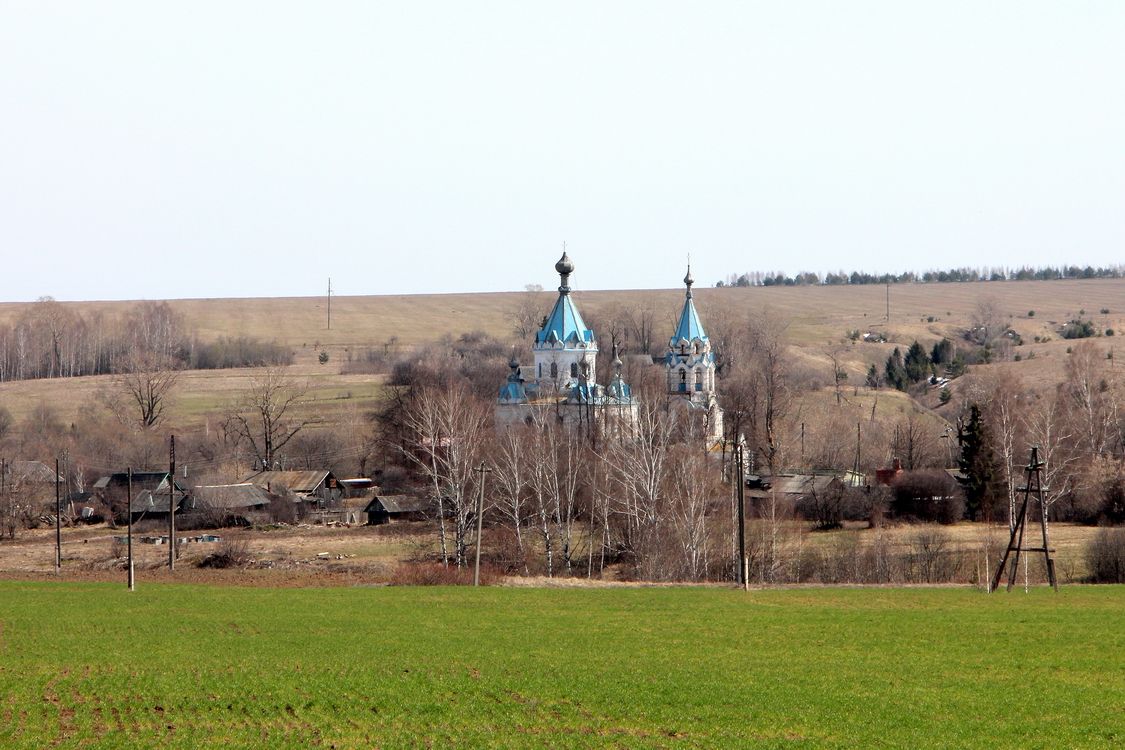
(690, 366)
(561, 384)
(565, 350)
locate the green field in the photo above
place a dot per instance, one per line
(191, 666)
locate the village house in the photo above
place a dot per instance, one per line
(226, 505)
(387, 508)
(319, 488)
(150, 499)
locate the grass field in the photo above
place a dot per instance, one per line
(191, 666)
(818, 319)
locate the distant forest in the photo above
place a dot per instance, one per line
(808, 278)
(52, 340)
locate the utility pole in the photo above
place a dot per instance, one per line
(743, 563)
(129, 509)
(171, 502)
(482, 469)
(888, 301)
(58, 522)
(329, 303)
(858, 444)
(1032, 489)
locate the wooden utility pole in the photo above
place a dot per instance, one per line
(740, 471)
(5, 505)
(1034, 485)
(129, 510)
(171, 502)
(482, 469)
(329, 303)
(888, 302)
(58, 522)
(858, 444)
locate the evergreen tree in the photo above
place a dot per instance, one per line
(872, 377)
(942, 353)
(894, 372)
(981, 468)
(917, 363)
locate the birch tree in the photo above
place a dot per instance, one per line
(448, 429)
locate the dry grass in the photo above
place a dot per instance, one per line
(818, 314)
(819, 318)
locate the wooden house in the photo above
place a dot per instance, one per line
(385, 508)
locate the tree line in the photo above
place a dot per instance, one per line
(839, 278)
(52, 340)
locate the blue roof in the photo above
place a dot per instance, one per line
(689, 327)
(564, 324)
(513, 392)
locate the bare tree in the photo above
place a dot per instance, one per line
(1047, 426)
(447, 430)
(986, 321)
(148, 382)
(692, 488)
(637, 472)
(839, 374)
(528, 311)
(773, 385)
(510, 480)
(263, 418)
(914, 442)
(1092, 394)
(1002, 409)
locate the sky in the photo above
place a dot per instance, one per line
(238, 149)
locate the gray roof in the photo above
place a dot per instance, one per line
(398, 504)
(146, 501)
(146, 480)
(793, 485)
(35, 472)
(300, 482)
(229, 496)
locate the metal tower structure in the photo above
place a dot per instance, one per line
(1033, 487)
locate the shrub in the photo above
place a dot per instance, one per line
(1031, 313)
(241, 351)
(323, 358)
(232, 553)
(928, 495)
(945, 396)
(1105, 311)
(436, 574)
(1105, 556)
(1079, 329)
(930, 558)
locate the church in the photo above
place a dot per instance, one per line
(561, 381)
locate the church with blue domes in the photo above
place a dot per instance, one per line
(561, 382)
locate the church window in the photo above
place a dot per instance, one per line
(699, 379)
(573, 369)
(554, 370)
(683, 380)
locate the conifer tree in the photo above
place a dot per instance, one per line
(895, 372)
(980, 467)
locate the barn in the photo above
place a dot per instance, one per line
(386, 508)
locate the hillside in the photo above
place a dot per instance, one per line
(818, 320)
(818, 313)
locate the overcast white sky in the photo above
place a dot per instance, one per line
(255, 149)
